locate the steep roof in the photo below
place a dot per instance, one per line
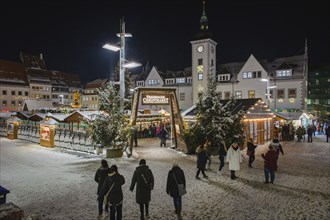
(31, 104)
(33, 61)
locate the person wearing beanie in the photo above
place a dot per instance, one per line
(144, 180)
(100, 176)
(112, 191)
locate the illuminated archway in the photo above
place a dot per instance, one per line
(159, 96)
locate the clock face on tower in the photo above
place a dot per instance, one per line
(200, 48)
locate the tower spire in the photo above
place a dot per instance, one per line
(203, 21)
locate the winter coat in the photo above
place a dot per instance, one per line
(171, 186)
(270, 159)
(278, 147)
(234, 158)
(162, 133)
(202, 158)
(116, 194)
(222, 150)
(143, 189)
(251, 148)
(100, 176)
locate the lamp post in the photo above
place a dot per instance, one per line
(268, 87)
(123, 63)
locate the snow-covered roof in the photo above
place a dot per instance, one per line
(32, 104)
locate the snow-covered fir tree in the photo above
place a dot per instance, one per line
(214, 121)
(110, 128)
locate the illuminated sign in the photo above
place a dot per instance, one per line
(155, 99)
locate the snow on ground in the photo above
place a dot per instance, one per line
(55, 184)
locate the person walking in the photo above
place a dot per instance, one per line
(162, 135)
(144, 180)
(234, 158)
(251, 151)
(100, 176)
(222, 153)
(277, 146)
(327, 132)
(113, 192)
(270, 164)
(309, 133)
(175, 176)
(201, 161)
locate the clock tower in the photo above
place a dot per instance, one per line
(203, 58)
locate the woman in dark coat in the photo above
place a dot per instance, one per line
(100, 176)
(201, 161)
(222, 153)
(251, 151)
(112, 186)
(175, 176)
(270, 164)
(144, 180)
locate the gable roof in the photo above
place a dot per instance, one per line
(32, 104)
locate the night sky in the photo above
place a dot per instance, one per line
(70, 34)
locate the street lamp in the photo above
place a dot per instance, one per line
(123, 63)
(268, 88)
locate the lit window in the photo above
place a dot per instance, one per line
(252, 93)
(238, 94)
(200, 76)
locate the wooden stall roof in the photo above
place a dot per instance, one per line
(241, 104)
(78, 116)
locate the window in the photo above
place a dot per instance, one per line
(26, 93)
(200, 76)
(4, 102)
(317, 82)
(251, 75)
(227, 95)
(283, 73)
(13, 103)
(20, 93)
(182, 96)
(316, 101)
(212, 62)
(292, 93)
(4, 92)
(13, 93)
(189, 80)
(140, 83)
(224, 77)
(20, 103)
(251, 93)
(153, 81)
(238, 94)
(200, 62)
(280, 93)
(180, 80)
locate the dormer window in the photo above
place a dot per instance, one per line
(169, 81)
(224, 77)
(140, 83)
(189, 80)
(284, 73)
(180, 80)
(251, 74)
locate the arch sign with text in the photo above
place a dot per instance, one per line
(154, 96)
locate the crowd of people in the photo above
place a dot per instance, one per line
(109, 191)
(110, 194)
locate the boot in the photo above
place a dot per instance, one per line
(179, 214)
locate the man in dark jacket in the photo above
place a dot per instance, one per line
(201, 161)
(175, 176)
(112, 190)
(144, 180)
(222, 153)
(100, 176)
(251, 151)
(327, 132)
